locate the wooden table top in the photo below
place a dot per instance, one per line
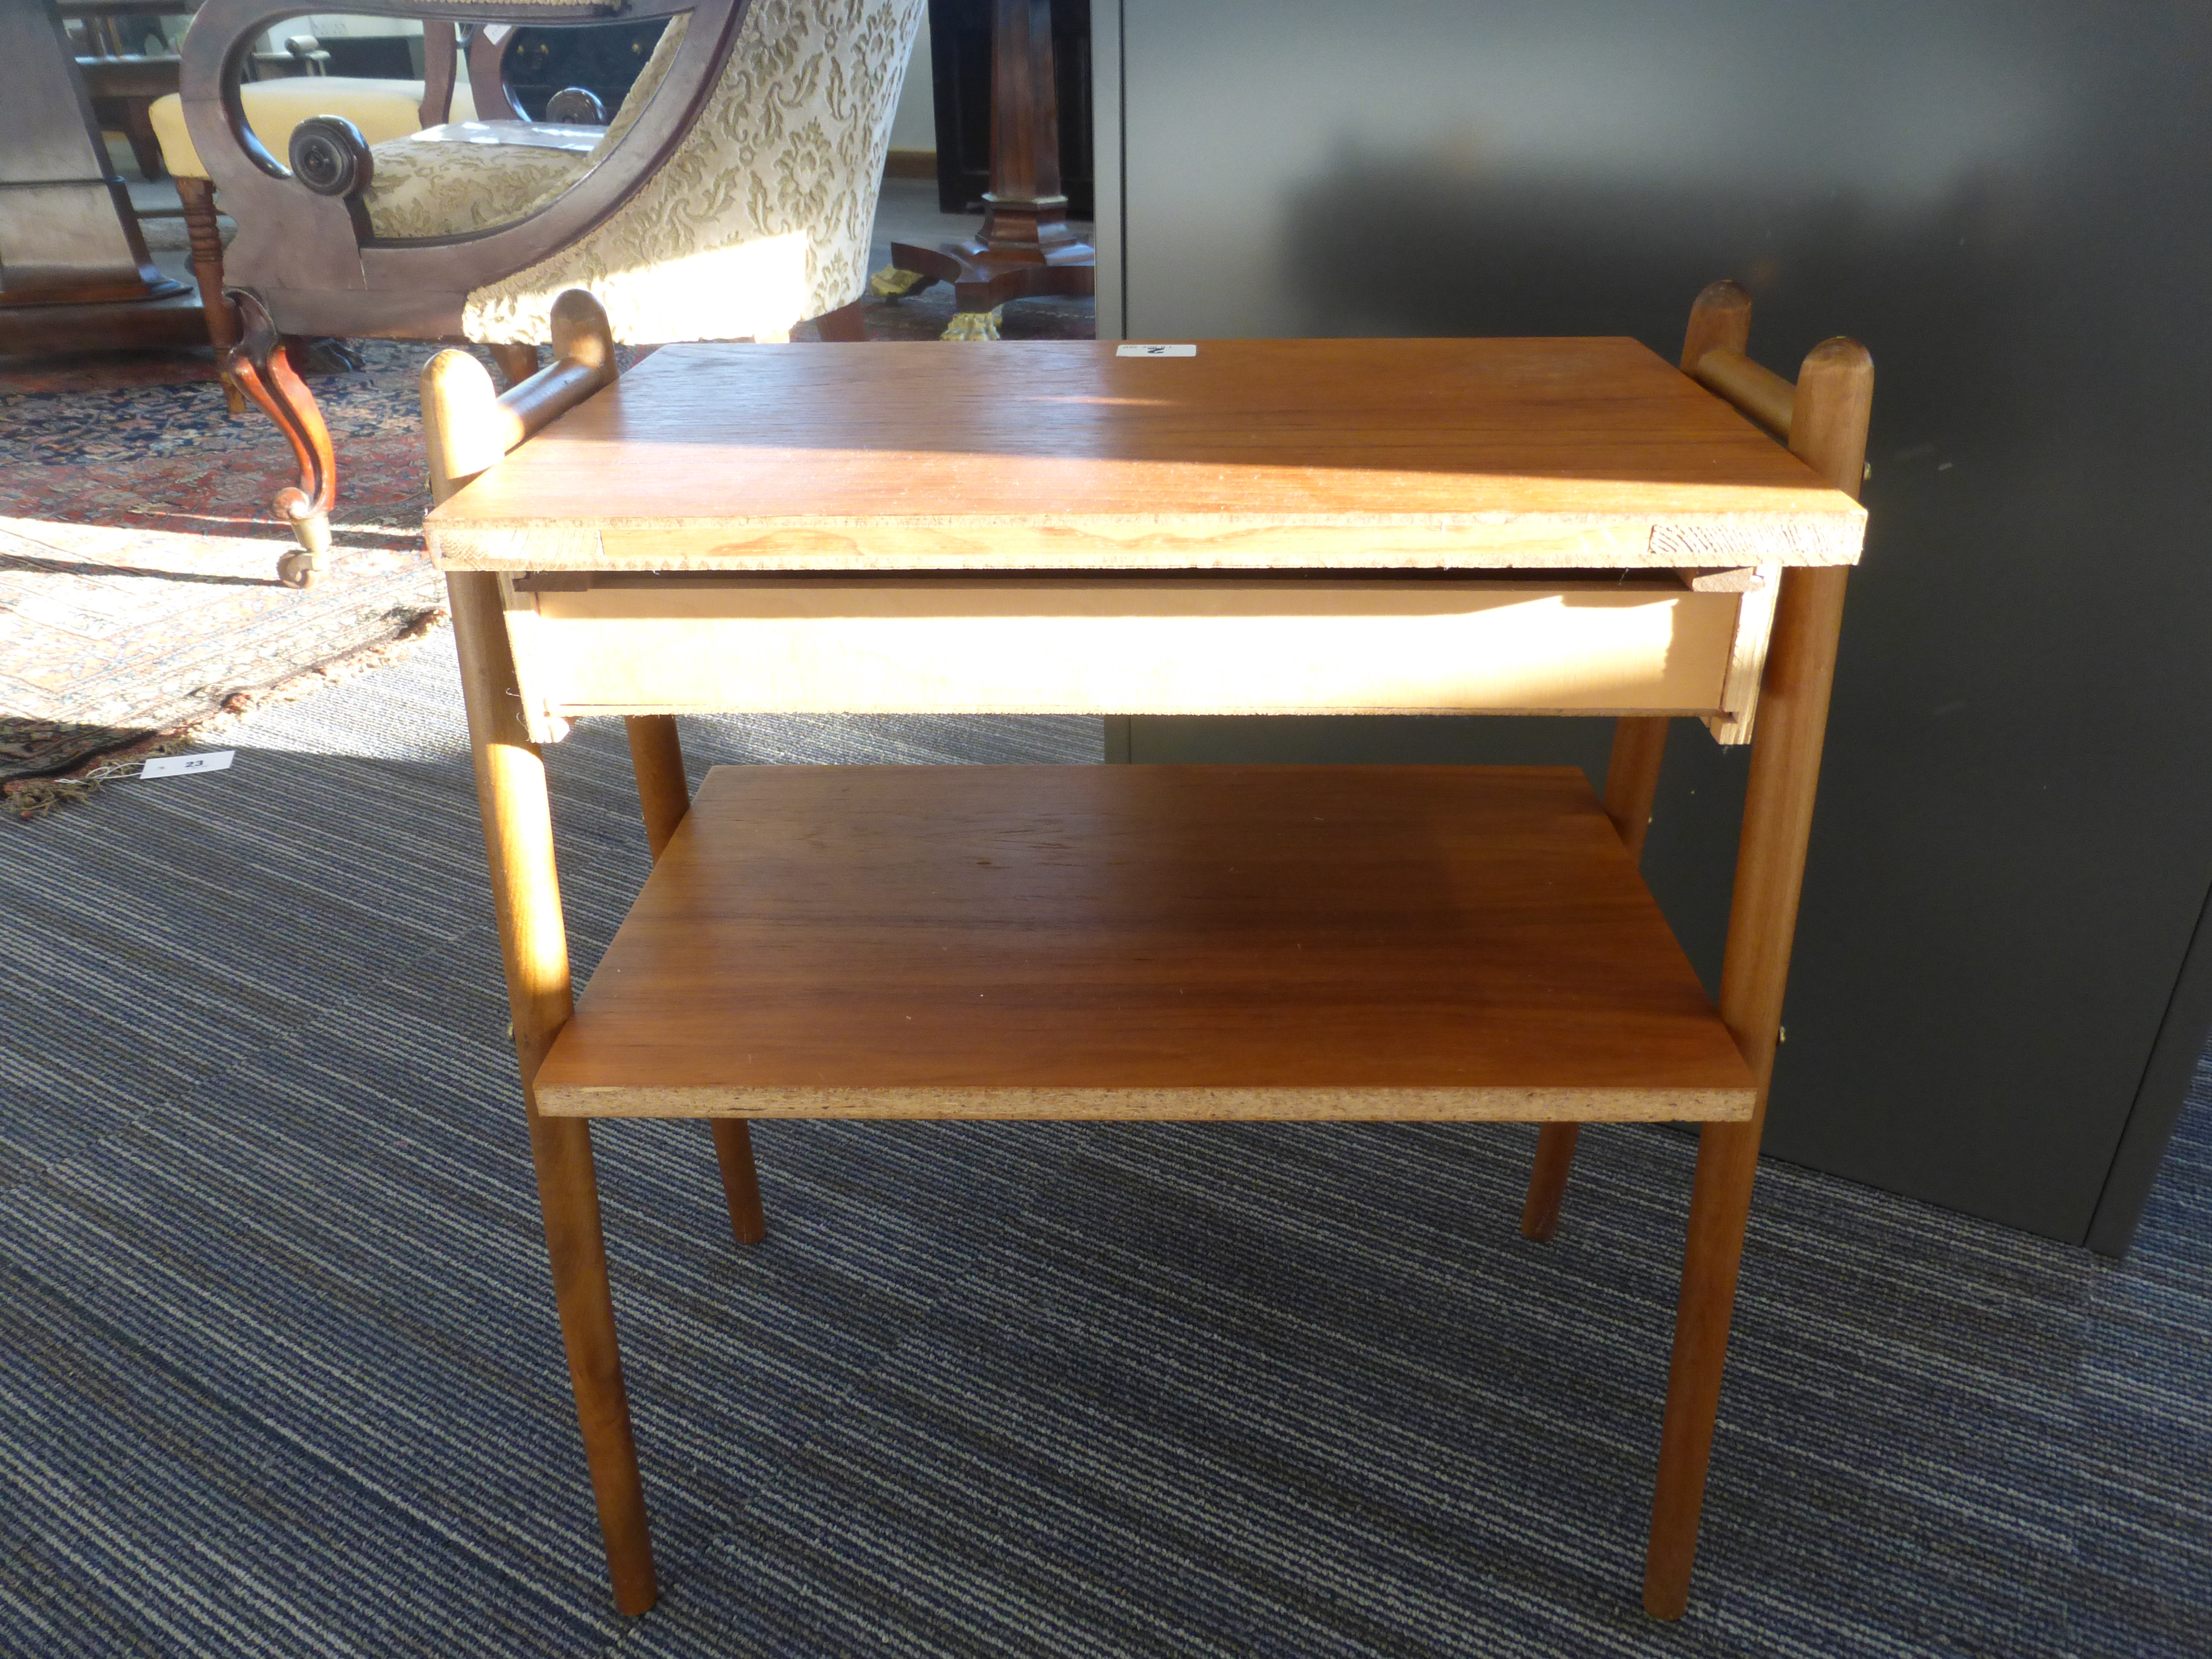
(1301, 454)
(1146, 941)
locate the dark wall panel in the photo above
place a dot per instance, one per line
(2010, 201)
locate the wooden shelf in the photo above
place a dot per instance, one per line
(1339, 455)
(1161, 942)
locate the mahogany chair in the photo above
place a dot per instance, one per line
(732, 196)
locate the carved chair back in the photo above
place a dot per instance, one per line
(757, 138)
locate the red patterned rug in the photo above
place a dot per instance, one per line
(139, 605)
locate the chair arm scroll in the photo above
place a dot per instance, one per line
(331, 157)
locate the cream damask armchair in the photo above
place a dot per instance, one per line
(732, 196)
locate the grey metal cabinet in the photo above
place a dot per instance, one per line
(2010, 201)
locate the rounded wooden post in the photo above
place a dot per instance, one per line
(733, 1151)
(1720, 321)
(1828, 430)
(1720, 318)
(1631, 780)
(1547, 1179)
(656, 753)
(518, 828)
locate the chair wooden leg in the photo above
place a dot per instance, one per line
(517, 363)
(845, 325)
(145, 144)
(261, 366)
(205, 235)
(1631, 782)
(527, 894)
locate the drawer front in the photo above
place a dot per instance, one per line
(1116, 646)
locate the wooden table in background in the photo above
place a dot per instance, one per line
(1566, 526)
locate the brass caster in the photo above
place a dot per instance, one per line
(312, 529)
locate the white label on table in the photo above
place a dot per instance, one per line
(176, 766)
(1127, 351)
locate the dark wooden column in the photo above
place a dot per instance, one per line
(1025, 248)
(74, 271)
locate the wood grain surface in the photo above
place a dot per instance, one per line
(1130, 941)
(1336, 454)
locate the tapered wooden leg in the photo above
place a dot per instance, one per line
(1827, 431)
(1547, 1179)
(1631, 782)
(526, 894)
(1631, 777)
(568, 1194)
(1762, 921)
(734, 1150)
(664, 794)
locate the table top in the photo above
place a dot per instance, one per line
(1300, 455)
(1145, 941)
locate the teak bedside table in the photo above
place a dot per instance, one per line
(1561, 526)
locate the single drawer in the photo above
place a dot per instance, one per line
(614, 644)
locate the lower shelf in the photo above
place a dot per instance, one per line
(1146, 942)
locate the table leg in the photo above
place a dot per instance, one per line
(1631, 781)
(664, 793)
(656, 753)
(527, 894)
(734, 1150)
(1785, 765)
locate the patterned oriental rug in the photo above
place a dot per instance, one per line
(139, 607)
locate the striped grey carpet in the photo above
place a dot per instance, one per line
(279, 1373)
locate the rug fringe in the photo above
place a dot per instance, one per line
(32, 798)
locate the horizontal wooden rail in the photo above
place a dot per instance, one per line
(1754, 389)
(469, 429)
(542, 398)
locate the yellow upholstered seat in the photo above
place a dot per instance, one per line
(383, 110)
